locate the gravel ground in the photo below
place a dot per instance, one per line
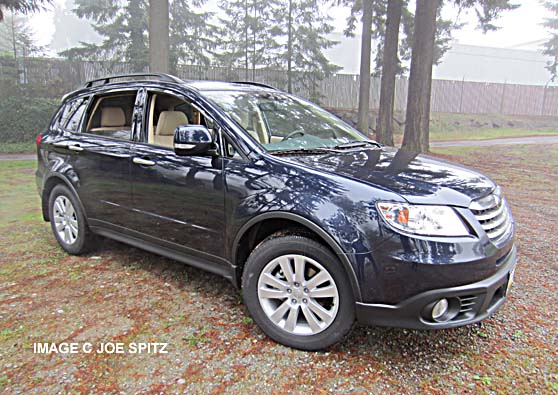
(121, 294)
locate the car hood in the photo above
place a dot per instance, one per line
(417, 178)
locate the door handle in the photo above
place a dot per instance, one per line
(143, 162)
(60, 145)
(75, 147)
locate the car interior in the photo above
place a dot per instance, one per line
(112, 116)
(165, 114)
(252, 119)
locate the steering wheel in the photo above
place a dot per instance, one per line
(293, 133)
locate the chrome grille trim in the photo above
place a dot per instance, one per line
(493, 214)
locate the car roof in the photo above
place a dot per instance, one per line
(153, 79)
(227, 86)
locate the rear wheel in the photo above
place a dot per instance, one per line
(68, 222)
(298, 293)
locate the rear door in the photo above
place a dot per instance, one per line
(178, 200)
(101, 155)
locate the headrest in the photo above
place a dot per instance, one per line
(112, 116)
(169, 121)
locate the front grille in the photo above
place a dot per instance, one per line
(493, 214)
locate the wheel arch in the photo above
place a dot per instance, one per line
(246, 239)
(50, 183)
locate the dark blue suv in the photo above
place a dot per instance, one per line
(318, 225)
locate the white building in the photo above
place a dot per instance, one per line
(520, 64)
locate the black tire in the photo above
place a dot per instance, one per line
(84, 238)
(263, 258)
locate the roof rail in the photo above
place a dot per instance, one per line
(254, 83)
(138, 76)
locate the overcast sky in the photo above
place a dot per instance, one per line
(517, 27)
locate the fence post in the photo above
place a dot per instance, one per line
(544, 99)
(503, 98)
(461, 97)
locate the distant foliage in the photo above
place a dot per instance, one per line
(300, 29)
(16, 38)
(248, 35)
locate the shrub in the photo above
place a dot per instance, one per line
(22, 118)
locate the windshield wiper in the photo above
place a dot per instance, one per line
(357, 144)
(301, 151)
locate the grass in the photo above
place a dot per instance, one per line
(25, 147)
(483, 134)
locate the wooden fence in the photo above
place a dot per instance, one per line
(54, 77)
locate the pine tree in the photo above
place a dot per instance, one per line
(16, 44)
(192, 36)
(417, 123)
(16, 38)
(247, 35)
(69, 29)
(551, 45)
(124, 27)
(22, 6)
(371, 13)
(301, 28)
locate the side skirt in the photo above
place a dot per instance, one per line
(224, 271)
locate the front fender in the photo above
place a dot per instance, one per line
(347, 260)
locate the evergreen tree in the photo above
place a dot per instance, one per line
(124, 27)
(16, 44)
(192, 35)
(69, 29)
(301, 28)
(417, 123)
(551, 45)
(21, 6)
(247, 35)
(16, 38)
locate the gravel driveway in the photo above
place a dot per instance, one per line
(122, 294)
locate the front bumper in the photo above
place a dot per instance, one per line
(468, 303)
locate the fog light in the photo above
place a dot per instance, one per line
(439, 309)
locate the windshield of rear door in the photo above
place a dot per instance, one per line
(280, 122)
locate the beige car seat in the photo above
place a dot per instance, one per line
(112, 119)
(168, 122)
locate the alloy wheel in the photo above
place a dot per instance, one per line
(65, 220)
(298, 294)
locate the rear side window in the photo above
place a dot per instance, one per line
(69, 116)
(111, 115)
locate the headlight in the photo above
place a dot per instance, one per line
(423, 220)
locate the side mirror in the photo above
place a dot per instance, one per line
(192, 140)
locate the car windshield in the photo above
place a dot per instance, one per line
(280, 122)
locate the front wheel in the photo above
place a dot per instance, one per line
(298, 292)
(68, 221)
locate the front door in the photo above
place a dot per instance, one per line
(178, 201)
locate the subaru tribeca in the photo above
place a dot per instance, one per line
(316, 224)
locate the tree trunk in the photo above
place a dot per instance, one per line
(384, 128)
(159, 36)
(246, 44)
(365, 56)
(420, 79)
(290, 50)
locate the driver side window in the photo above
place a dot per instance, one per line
(166, 113)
